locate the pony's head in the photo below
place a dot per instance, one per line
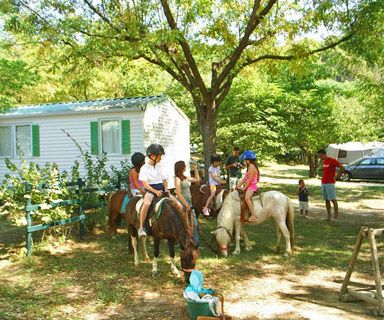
(188, 257)
(223, 237)
(188, 250)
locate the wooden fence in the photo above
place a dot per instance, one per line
(77, 200)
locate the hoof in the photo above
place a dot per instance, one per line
(136, 263)
(277, 250)
(249, 248)
(236, 252)
(154, 273)
(288, 254)
(147, 259)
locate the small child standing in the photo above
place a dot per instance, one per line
(303, 197)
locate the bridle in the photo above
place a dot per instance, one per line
(214, 238)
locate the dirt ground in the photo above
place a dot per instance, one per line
(274, 291)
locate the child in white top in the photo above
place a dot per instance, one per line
(154, 181)
(214, 180)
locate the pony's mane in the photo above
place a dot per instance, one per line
(183, 219)
(222, 237)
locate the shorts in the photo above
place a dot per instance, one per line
(329, 191)
(156, 186)
(303, 205)
(212, 188)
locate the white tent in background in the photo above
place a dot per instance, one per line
(350, 151)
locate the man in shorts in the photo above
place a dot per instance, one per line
(328, 181)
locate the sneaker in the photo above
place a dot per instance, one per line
(141, 232)
(206, 211)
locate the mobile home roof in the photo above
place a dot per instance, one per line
(81, 106)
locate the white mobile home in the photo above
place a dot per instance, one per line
(118, 127)
(350, 151)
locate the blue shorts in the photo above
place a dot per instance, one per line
(329, 191)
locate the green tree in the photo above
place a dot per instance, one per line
(14, 76)
(202, 44)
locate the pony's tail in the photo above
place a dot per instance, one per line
(290, 222)
(110, 212)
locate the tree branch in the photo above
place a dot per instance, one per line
(253, 22)
(294, 57)
(186, 49)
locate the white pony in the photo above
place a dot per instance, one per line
(274, 204)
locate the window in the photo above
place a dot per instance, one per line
(380, 161)
(110, 136)
(23, 140)
(366, 162)
(6, 141)
(342, 153)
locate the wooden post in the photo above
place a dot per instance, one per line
(80, 198)
(28, 217)
(376, 269)
(359, 241)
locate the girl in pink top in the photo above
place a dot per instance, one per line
(137, 188)
(250, 181)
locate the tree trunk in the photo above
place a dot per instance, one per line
(207, 120)
(312, 162)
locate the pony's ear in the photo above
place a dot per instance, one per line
(214, 232)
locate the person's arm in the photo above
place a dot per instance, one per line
(165, 183)
(135, 179)
(240, 183)
(196, 178)
(158, 193)
(179, 195)
(258, 174)
(341, 170)
(216, 178)
(227, 164)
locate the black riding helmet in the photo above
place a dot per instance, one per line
(137, 159)
(215, 157)
(155, 149)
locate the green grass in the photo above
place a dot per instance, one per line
(97, 276)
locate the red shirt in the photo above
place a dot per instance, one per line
(329, 170)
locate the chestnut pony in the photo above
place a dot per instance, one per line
(200, 194)
(114, 206)
(171, 224)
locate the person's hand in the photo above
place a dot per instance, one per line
(195, 165)
(159, 193)
(187, 207)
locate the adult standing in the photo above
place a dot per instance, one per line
(328, 181)
(233, 165)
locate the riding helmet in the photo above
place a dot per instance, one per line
(248, 155)
(137, 159)
(215, 157)
(156, 149)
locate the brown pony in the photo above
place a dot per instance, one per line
(200, 194)
(114, 206)
(172, 224)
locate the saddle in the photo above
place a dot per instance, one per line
(153, 210)
(244, 207)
